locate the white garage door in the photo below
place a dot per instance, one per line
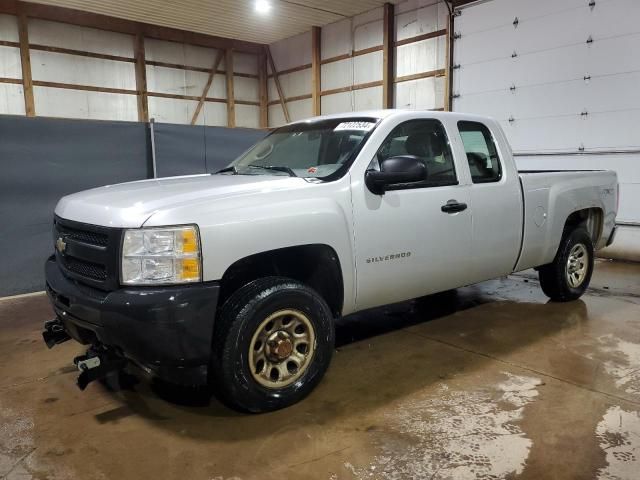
(563, 78)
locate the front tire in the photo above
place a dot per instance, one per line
(273, 342)
(568, 276)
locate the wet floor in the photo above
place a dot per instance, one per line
(487, 382)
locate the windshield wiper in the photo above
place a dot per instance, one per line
(276, 168)
(232, 169)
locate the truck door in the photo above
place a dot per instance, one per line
(415, 239)
(497, 202)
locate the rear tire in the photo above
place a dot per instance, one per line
(568, 276)
(273, 342)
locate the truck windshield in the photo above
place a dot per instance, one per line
(320, 149)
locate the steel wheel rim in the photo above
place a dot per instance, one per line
(281, 348)
(577, 265)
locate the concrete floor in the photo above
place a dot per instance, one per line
(487, 382)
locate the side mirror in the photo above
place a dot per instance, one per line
(401, 169)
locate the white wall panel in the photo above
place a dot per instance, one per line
(422, 94)
(169, 110)
(55, 34)
(337, 74)
(337, 103)
(276, 116)
(58, 102)
(245, 89)
(421, 56)
(300, 110)
(8, 28)
(213, 114)
(337, 39)
(367, 29)
(417, 17)
(10, 65)
(183, 82)
(367, 99)
(11, 99)
(180, 53)
(58, 67)
(293, 84)
(292, 52)
(245, 63)
(367, 68)
(247, 116)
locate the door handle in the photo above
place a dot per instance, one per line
(453, 206)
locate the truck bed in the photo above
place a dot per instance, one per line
(550, 197)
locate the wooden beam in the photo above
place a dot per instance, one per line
(421, 37)
(231, 101)
(113, 24)
(299, 68)
(25, 60)
(351, 88)
(306, 96)
(15, 81)
(81, 53)
(417, 76)
(316, 38)
(85, 88)
(207, 86)
(263, 87)
(276, 79)
(388, 50)
(141, 78)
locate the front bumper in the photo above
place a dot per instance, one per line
(167, 331)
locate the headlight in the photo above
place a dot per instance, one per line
(152, 256)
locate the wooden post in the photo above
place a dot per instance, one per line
(141, 78)
(263, 76)
(276, 79)
(231, 101)
(388, 50)
(207, 86)
(25, 59)
(316, 87)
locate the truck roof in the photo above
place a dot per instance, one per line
(386, 113)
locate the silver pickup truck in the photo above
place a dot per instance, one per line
(235, 279)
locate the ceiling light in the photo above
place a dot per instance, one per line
(263, 6)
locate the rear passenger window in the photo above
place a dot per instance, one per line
(481, 151)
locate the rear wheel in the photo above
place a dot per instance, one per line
(273, 342)
(568, 276)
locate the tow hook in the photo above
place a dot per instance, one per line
(54, 333)
(97, 363)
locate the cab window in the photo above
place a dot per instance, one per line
(481, 151)
(427, 140)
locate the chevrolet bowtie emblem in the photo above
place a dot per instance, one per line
(61, 245)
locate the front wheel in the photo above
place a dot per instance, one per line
(568, 276)
(273, 342)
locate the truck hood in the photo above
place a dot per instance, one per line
(132, 204)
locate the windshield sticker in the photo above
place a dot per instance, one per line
(361, 126)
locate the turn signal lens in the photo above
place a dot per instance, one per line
(161, 256)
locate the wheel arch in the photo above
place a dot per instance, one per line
(590, 218)
(316, 265)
